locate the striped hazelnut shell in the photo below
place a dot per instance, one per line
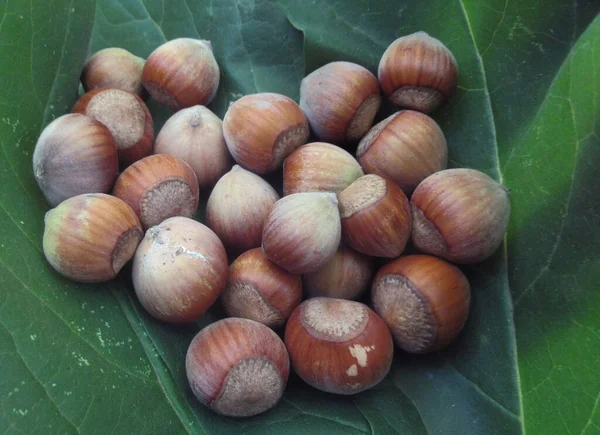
(319, 167)
(261, 130)
(340, 100)
(302, 231)
(460, 215)
(159, 187)
(406, 147)
(181, 73)
(376, 218)
(418, 72)
(259, 290)
(75, 154)
(90, 237)
(126, 116)
(423, 299)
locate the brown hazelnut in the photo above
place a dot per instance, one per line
(346, 276)
(260, 290)
(340, 100)
(460, 215)
(127, 118)
(90, 237)
(179, 270)
(75, 154)
(424, 300)
(418, 72)
(338, 346)
(406, 147)
(261, 130)
(159, 187)
(237, 367)
(195, 135)
(376, 218)
(182, 73)
(319, 167)
(114, 68)
(302, 231)
(238, 207)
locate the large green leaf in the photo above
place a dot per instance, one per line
(87, 359)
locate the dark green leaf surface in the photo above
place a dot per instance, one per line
(87, 359)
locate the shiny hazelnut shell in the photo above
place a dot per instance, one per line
(159, 187)
(75, 154)
(238, 207)
(460, 215)
(346, 276)
(338, 346)
(182, 73)
(126, 116)
(340, 100)
(406, 147)
(302, 231)
(319, 167)
(259, 290)
(423, 299)
(195, 135)
(179, 270)
(237, 367)
(261, 130)
(376, 216)
(418, 72)
(114, 68)
(90, 237)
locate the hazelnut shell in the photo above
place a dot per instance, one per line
(338, 346)
(460, 215)
(319, 167)
(159, 187)
(423, 299)
(406, 147)
(340, 100)
(261, 130)
(126, 116)
(375, 216)
(418, 72)
(260, 290)
(90, 237)
(237, 367)
(75, 154)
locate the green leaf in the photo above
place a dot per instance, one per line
(86, 358)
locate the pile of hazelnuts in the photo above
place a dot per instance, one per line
(318, 241)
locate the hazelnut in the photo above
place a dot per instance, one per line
(338, 346)
(237, 367)
(179, 270)
(238, 207)
(114, 68)
(423, 299)
(195, 135)
(302, 231)
(460, 215)
(182, 73)
(319, 167)
(406, 147)
(260, 290)
(346, 276)
(418, 72)
(159, 187)
(376, 218)
(90, 237)
(127, 118)
(261, 130)
(75, 154)
(340, 100)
